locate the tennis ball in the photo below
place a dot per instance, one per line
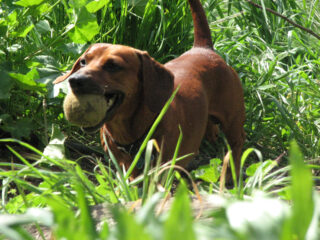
(85, 110)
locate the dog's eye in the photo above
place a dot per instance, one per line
(83, 62)
(112, 66)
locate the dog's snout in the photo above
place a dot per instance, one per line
(83, 84)
(77, 81)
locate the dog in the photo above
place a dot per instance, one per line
(136, 87)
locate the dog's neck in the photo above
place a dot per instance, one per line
(127, 131)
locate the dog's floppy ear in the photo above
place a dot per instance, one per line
(76, 67)
(157, 82)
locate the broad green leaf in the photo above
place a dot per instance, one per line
(73, 48)
(43, 8)
(179, 225)
(302, 192)
(210, 172)
(251, 170)
(43, 26)
(77, 4)
(33, 74)
(27, 81)
(96, 5)
(23, 32)
(28, 3)
(45, 59)
(86, 27)
(13, 18)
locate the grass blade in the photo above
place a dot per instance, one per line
(302, 193)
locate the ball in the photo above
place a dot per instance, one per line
(85, 110)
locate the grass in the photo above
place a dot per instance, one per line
(251, 211)
(279, 67)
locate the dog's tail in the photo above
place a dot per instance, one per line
(202, 35)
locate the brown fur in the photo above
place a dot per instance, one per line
(210, 89)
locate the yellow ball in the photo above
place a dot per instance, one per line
(85, 110)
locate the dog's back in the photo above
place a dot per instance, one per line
(210, 92)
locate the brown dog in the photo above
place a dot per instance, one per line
(136, 88)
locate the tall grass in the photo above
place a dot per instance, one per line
(279, 68)
(257, 217)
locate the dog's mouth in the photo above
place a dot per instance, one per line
(114, 100)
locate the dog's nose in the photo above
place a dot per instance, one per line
(84, 84)
(78, 81)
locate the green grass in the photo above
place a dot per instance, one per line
(254, 214)
(278, 65)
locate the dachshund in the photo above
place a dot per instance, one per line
(136, 87)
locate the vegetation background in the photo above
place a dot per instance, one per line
(278, 63)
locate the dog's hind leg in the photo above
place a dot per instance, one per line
(212, 130)
(235, 135)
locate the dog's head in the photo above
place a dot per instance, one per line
(125, 76)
